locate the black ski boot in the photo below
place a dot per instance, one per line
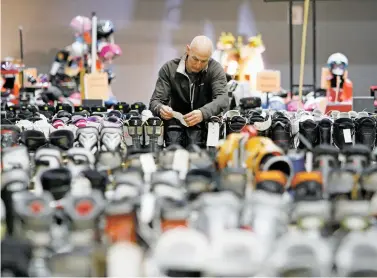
(307, 186)
(281, 129)
(261, 123)
(310, 130)
(365, 131)
(324, 127)
(57, 181)
(343, 132)
(175, 133)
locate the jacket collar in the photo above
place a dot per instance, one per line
(182, 65)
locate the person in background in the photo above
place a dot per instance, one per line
(195, 86)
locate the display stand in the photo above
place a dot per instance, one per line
(291, 39)
(96, 85)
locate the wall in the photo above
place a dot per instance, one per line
(153, 31)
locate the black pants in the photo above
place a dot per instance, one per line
(176, 133)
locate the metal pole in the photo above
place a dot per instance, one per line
(21, 75)
(303, 47)
(291, 46)
(94, 43)
(314, 19)
(21, 43)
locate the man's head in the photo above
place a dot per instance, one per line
(198, 54)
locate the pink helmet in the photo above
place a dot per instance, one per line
(110, 51)
(81, 24)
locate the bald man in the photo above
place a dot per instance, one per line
(194, 85)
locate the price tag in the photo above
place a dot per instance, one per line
(347, 136)
(147, 207)
(148, 165)
(213, 135)
(181, 162)
(81, 187)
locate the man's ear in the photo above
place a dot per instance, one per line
(187, 49)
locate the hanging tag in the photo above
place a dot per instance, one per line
(81, 187)
(179, 117)
(181, 162)
(347, 136)
(213, 135)
(147, 163)
(147, 207)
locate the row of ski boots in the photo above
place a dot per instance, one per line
(168, 220)
(340, 129)
(96, 130)
(12, 114)
(254, 154)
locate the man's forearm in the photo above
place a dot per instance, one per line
(214, 108)
(154, 106)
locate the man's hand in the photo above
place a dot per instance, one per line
(166, 112)
(193, 118)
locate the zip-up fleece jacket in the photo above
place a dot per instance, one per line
(207, 93)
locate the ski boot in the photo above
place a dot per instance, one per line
(83, 212)
(133, 132)
(271, 181)
(356, 255)
(307, 186)
(343, 132)
(310, 130)
(365, 130)
(10, 135)
(12, 181)
(357, 156)
(368, 182)
(34, 217)
(62, 138)
(15, 158)
(324, 126)
(88, 137)
(153, 131)
(281, 130)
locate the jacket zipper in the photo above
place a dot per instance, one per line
(192, 90)
(192, 96)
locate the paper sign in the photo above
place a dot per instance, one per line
(96, 85)
(179, 117)
(268, 81)
(297, 14)
(29, 72)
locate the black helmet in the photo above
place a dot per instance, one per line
(104, 29)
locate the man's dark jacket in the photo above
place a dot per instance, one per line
(208, 93)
